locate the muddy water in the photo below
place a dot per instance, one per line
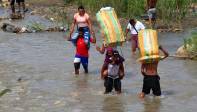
(38, 68)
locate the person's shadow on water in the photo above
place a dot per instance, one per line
(113, 104)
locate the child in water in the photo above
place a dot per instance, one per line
(151, 77)
(113, 72)
(82, 52)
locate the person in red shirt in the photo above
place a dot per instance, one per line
(82, 52)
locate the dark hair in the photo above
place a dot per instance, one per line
(81, 7)
(80, 29)
(131, 21)
(115, 53)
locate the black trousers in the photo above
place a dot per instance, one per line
(111, 83)
(151, 83)
(18, 1)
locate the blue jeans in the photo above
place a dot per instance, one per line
(81, 60)
(86, 32)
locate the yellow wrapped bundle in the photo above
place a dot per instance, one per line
(148, 45)
(110, 26)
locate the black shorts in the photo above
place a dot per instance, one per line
(111, 83)
(151, 82)
(17, 1)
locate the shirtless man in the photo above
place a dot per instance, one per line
(151, 77)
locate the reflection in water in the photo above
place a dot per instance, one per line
(81, 82)
(190, 67)
(113, 104)
(152, 105)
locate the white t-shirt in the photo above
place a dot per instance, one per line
(138, 26)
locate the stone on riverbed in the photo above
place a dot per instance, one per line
(182, 52)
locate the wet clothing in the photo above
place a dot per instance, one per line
(113, 79)
(151, 83)
(81, 60)
(82, 54)
(111, 83)
(81, 47)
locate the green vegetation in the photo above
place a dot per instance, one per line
(190, 44)
(173, 10)
(4, 92)
(59, 15)
(169, 11)
(36, 27)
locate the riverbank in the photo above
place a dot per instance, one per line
(58, 12)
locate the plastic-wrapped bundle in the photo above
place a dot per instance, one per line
(110, 27)
(148, 45)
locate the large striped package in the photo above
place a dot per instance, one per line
(110, 27)
(148, 45)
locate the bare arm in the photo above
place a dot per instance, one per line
(166, 54)
(104, 67)
(90, 26)
(101, 50)
(72, 29)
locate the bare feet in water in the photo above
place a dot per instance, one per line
(141, 95)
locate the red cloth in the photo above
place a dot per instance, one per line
(82, 47)
(134, 38)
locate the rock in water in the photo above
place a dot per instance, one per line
(16, 16)
(182, 52)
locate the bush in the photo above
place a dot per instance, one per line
(191, 44)
(169, 11)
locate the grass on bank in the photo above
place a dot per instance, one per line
(169, 11)
(190, 44)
